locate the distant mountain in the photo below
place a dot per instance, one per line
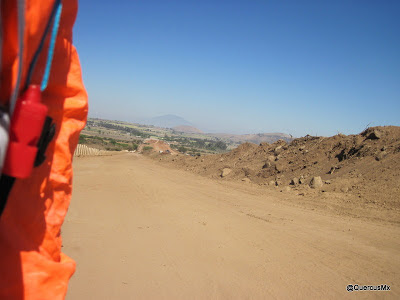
(254, 138)
(167, 121)
(187, 129)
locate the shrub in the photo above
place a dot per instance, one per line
(82, 139)
(182, 149)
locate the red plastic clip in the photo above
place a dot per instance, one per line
(25, 130)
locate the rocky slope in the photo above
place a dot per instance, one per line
(363, 169)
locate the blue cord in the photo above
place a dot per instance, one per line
(55, 10)
(50, 54)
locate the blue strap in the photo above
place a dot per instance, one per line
(50, 54)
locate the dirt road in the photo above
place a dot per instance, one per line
(141, 231)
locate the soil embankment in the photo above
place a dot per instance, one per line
(355, 174)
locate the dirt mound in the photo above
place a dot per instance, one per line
(362, 168)
(154, 145)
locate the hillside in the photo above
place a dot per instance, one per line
(254, 138)
(187, 129)
(167, 121)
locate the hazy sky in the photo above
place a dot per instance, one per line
(299, 67)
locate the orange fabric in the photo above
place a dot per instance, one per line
(31, 263)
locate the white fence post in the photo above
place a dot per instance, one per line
(83, 150)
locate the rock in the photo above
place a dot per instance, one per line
(316, 182)
(381, 155)
(267, 165)
(344, 189)
(246, 180)
(272, 183)
(286, 189)
(294, 181)
(279, 168)
(374, 135)
(333, 169)
(248, 172)
(278, 150)
(271, 158)
(225, 172)
(327, 182)
(221, 160)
